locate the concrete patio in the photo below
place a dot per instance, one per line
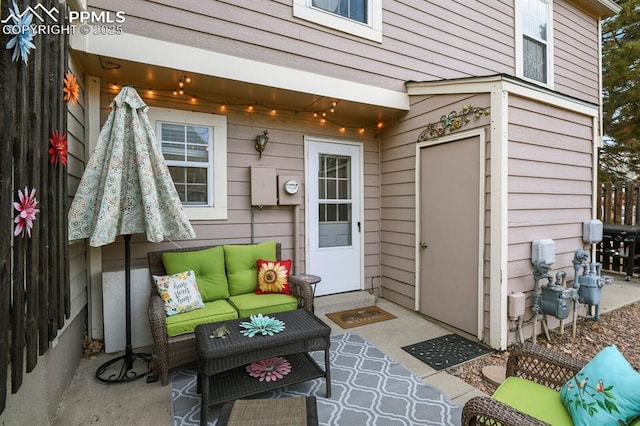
(89, 402)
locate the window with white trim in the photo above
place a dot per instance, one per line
(362, 18)
(194, 146)
(534, 36)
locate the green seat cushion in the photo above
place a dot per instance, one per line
(208, 265)
(254, 304)
(241, 263)
(536, 400)
(186, 322)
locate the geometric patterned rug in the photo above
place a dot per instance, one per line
(367, 388)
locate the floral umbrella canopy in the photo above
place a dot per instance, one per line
(127, 189)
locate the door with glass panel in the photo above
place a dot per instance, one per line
(333, 211)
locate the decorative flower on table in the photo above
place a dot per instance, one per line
(58, 150)
(261, 325)
(21, 41)
(71, 89)
(269, 369)
(26, 211)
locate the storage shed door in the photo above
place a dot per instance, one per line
(450, 205)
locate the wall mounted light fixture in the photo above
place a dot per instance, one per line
(261, 142)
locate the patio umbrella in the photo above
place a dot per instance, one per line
(126, 189)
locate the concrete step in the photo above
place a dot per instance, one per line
(343, 301)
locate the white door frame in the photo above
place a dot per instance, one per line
(480, 133)
(359, 195)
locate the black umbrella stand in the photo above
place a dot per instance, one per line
(121, 369)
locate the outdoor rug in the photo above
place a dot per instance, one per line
(359, 316)
(367, 388)
(446, 351)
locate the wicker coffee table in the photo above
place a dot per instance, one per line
(221, 362)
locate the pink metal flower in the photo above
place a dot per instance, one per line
(269, 369)
(26, 212)
(58, 150)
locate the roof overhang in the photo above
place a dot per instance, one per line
(599, 8)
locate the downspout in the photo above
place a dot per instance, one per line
(296, 237)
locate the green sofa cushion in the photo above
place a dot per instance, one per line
(209, 267)
(186, 322)
(241, 262)
(254, 304)
(538, 401)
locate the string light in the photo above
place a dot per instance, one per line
(224, 106)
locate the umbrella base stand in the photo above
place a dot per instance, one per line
(121, 369)
(125, 368)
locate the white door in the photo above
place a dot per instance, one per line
(333, 215)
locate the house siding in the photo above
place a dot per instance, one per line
(576, 52)
(422, 40)
(285, 153)
(398, 190)
(549, 185)
(76, 159)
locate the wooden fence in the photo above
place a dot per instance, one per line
(619, 203)
(34, 272)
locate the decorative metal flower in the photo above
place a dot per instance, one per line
(269, 369)
(58, 149)
(71, 89)
(261, 325)
(26, 211)
(21, 42)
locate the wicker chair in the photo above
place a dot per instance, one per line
(527, 361)
(170, 352)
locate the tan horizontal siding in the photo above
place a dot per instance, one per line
(576, 52)
(285, 153)
(398, 189)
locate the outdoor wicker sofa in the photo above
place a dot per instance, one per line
(173, 351)
(533, 363)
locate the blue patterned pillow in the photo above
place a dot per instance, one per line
(605, 392)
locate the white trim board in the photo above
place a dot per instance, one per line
(191, 59)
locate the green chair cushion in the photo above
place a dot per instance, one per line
(186, 322)
(209, 267)
(536, 400)
(241, 263)
(254, 304)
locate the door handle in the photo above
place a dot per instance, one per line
(423, 245)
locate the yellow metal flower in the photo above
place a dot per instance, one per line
(272, 277)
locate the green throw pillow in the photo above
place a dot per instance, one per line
(241, 261)
(208, 265)
(605, 392)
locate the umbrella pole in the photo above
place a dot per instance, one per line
(126, 373)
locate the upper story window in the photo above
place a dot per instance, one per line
(362, 18)
(351, 9)
(194, 146)
(534, 36)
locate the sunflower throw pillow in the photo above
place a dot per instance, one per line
(179, 292)
(605, 392)
(273, 276)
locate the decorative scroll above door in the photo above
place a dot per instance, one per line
(453, 121)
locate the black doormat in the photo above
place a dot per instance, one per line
(446, 351)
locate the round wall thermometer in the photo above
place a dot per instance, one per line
(291, 187)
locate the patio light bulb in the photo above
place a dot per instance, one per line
(187, 79)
